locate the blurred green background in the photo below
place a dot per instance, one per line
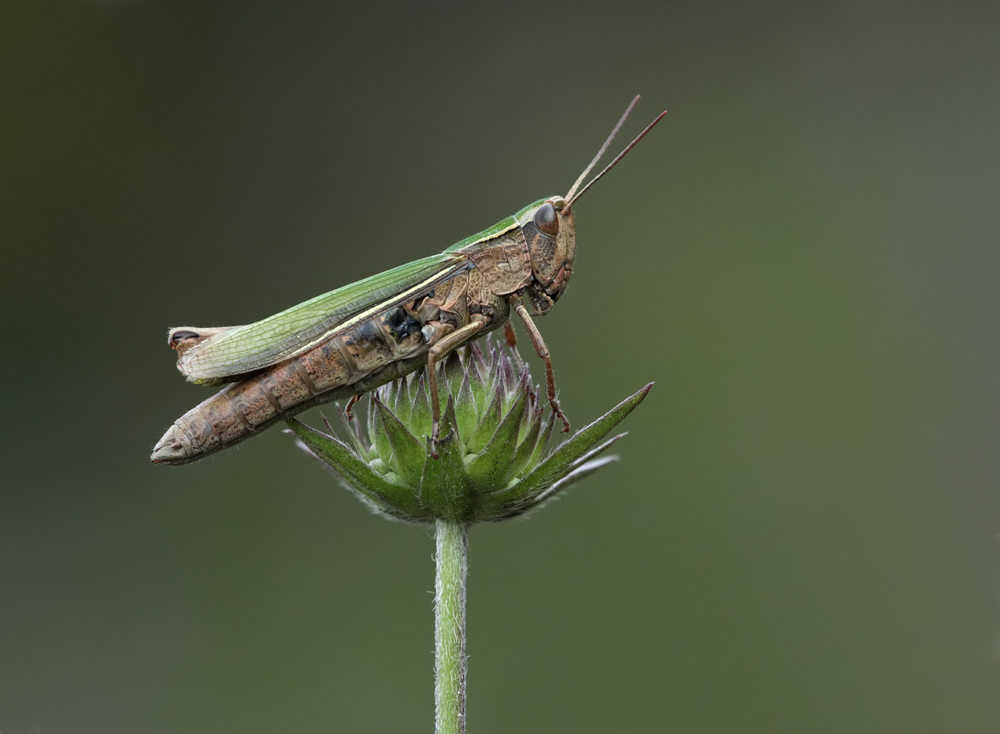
(802, 533)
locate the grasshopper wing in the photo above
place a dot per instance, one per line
(182, 338)
(228, 352)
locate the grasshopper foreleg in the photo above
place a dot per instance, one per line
(438, 351)
(550, 380)
(511, 338)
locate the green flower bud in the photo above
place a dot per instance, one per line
(492, 462)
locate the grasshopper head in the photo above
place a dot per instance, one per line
(550, 229)
(550, 232)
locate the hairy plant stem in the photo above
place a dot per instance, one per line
(449, 627)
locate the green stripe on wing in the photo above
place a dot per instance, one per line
(299, 328)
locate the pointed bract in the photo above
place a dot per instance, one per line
(408, 452)
(490, 450)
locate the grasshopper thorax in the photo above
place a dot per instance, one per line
(550, 234)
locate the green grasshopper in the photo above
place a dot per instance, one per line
(351, 340)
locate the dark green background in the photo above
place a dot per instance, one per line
(802, 533)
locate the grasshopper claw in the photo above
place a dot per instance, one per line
(560, 415)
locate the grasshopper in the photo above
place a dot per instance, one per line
(351, 340)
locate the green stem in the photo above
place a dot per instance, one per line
(449, 627)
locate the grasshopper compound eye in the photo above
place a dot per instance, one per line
(546, 219)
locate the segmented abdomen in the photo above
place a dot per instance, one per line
(375, 351)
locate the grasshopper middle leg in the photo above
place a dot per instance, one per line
(350, 406)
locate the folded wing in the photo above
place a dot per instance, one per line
(214, 355)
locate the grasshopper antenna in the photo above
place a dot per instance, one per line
(576, 184)
(573, 194)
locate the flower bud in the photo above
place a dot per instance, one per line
(492, 461)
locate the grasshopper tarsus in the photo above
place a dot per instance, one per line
(560, 415)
